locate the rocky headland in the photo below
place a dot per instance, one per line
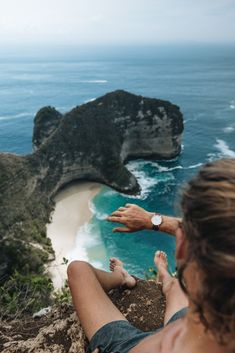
(91, 142)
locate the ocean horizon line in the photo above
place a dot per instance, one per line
(18, 46)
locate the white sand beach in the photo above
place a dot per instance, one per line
(71, 213)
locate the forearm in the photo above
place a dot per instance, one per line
(135, 218)
(169, 224)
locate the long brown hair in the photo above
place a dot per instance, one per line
(208, 207)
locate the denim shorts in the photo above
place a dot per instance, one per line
(120, 336)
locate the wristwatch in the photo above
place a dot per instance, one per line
(156, 221)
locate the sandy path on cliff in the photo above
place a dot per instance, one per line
(70, 214)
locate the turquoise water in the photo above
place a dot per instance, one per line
(200, 79)
(159, 181)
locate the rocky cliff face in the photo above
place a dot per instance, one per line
(45, 123)
(90, 142)
(94, 140)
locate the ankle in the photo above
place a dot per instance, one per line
(118, 270)
(168, 285)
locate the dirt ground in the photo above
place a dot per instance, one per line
(60, 331)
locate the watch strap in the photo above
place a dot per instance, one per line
(156, 228)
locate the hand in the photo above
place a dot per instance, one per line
(133, 217)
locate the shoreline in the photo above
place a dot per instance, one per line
(71, 213)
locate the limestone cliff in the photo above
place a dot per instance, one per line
(45, 122)
(94, 140)
(90, 142)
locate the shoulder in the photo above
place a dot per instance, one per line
(160, 342)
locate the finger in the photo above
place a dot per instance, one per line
(96, 350)
(122, 230)
(127, 205)
(121, 209)
(117, 214)
(115, 219)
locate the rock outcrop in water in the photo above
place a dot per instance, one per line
(91, 142)
(94, 140)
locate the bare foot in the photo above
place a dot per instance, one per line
(113, 262)
(128, 280)
(163, 276)
(116, 265)
(160, 260)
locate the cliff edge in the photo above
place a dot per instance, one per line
(61, 332)
(91, 142)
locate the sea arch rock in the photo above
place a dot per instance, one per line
(94, 140)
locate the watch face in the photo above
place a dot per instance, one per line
(156, 219)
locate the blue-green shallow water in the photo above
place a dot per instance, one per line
(160, 181)
(200, 79)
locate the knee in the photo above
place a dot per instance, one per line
(77, 269)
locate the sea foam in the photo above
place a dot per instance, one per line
(224, 149)
(99, 215)
(163, 175)
(229, 129)
(145, 181)
(93, 81)
(87, 240)
(194, 166)
(162, 169)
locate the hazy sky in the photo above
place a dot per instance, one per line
(116, 21)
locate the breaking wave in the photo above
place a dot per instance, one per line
(146, 181)
(93, 81)
(229, 129)
(99, 215)
(224, 149)
(88, 241)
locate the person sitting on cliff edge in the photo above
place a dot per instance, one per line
(205, 255)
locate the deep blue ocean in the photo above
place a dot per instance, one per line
(200, 79)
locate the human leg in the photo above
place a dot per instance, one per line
(175, 297)
(88, 286)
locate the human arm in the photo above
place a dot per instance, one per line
(135, 218)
